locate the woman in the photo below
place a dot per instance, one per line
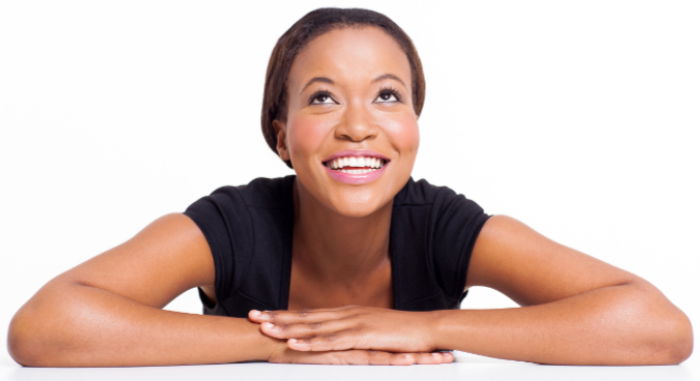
(350, 261)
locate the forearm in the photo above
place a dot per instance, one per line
(75, 325)
(626, 324)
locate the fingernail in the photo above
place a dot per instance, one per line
(254, 313)
(268, 325)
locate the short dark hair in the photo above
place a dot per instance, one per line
(312, 25)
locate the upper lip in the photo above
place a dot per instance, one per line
(356, 153)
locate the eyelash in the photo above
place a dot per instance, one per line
(382, 91)
(392, 91)
(319, 93)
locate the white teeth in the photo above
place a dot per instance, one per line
(356, 161)
(356, 171)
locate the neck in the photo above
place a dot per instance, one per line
(337, 248)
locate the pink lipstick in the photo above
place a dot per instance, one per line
(356, 166)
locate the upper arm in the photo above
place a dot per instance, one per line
(166, 258)
(531, 269)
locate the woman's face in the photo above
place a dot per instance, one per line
(351, 132)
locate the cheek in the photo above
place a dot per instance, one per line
(402, 131)
(305, 135)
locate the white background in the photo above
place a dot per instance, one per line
(578, 118)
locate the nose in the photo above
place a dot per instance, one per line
(357, 124)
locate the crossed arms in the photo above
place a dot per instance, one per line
(575, 310)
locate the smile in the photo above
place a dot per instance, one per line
(355, 169)
(356, 164)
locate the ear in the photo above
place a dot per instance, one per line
(281, 132)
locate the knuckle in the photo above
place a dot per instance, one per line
(317, 343)
(327, 342)
(360, 325)
(298, 329)
(316, 325)
(281, 328)
(330, 339)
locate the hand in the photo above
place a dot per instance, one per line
(350, 327)
(358, 357)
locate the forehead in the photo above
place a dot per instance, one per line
(350, 54)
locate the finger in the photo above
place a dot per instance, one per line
(362, 357)
(366, 357)
(300, 316)
(336, 341)
(388, 358)
(447, 357)
(434, 358)
(350, 357)
(306, 330)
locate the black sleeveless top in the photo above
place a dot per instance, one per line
(249, 231)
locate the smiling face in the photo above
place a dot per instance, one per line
(351, 131)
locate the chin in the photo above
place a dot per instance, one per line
(358, 203)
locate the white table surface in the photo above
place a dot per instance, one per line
(467, 367)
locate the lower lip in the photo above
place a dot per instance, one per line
(360, 178)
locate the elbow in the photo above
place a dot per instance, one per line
(22, 343)
(652, 330)
(34, 337)
(45, 332)
(675, 339)
(665, 334)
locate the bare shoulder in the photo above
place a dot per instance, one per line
(530, 268)
(166, 258)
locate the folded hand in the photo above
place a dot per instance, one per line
(349, 328)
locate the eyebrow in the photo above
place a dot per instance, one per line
(331, 82)
(317, 79)
(389, 76)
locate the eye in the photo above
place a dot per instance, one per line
(321, 98)
(388, 96)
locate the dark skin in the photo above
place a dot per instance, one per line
(575, 308)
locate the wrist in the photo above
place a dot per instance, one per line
(436, 325)
(263, 346)
(425, 330)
